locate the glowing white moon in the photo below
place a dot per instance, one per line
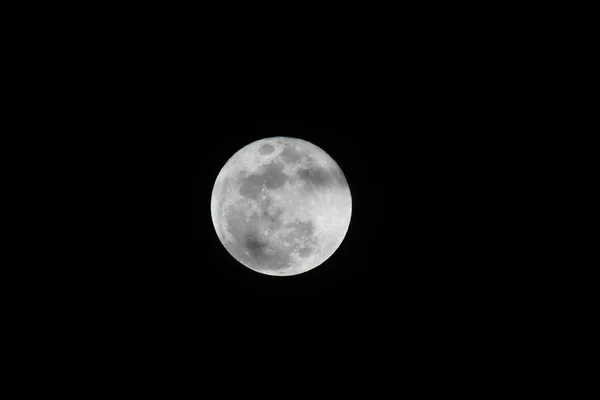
(281, 206)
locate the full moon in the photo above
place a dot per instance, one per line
(281, 206)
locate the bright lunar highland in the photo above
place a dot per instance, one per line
(281, 206)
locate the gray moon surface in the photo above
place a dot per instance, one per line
(281, 206)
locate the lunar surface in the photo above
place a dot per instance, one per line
(281, 206)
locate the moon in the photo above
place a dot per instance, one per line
(281, 206)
